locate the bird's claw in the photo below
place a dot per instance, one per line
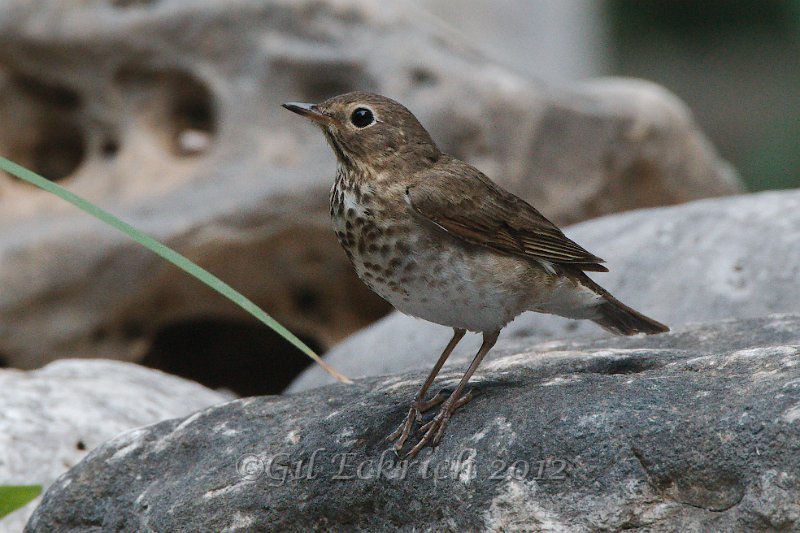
(432, 431)
(400, 435)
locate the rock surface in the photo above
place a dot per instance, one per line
(695, 430)
(168, 114)
(736, 257)
(50, 418)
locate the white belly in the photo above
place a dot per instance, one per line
(456, 286)
(461, 292)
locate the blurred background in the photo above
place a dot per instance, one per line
(736, 64)
(168, 114)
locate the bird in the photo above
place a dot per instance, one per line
(440, 241)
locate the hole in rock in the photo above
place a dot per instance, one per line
(176, 105)
(55, 148)
(192, 115)
(306, 299)
(47, 93)
(109, 148)
(423, 76)
(247, 358)
(46, 136)
(59, 152)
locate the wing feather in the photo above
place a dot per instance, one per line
(464, 202)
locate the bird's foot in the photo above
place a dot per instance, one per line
(401, 434)
(433, 430)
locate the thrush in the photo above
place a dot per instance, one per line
(439, 240)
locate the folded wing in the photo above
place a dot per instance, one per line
(464, 202)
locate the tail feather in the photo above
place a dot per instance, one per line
(616, 317)
(620, 319)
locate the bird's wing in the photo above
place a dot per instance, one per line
(464, 202)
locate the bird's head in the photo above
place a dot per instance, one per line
(372, 131)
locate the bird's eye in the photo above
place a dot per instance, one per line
(362, 117)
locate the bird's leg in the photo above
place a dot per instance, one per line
(434, 429)
(419, 405)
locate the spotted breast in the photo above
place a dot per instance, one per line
(434, 277)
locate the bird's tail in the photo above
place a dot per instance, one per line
(620, 319)
(616, 317)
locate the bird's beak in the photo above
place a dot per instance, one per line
(310, 111)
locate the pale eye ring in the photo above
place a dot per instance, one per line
(362, 117)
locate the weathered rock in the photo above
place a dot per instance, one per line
(695, 430)
(50, 418)
(733, 257)
(168, 113)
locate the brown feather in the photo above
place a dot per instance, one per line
(464, 202)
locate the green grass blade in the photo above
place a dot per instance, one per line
(170, 255)
(15, 497)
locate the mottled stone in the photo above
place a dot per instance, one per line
(694, 430)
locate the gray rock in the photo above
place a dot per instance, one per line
(168, 114)
(735, 257)
(52, 417)
(695, 430)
